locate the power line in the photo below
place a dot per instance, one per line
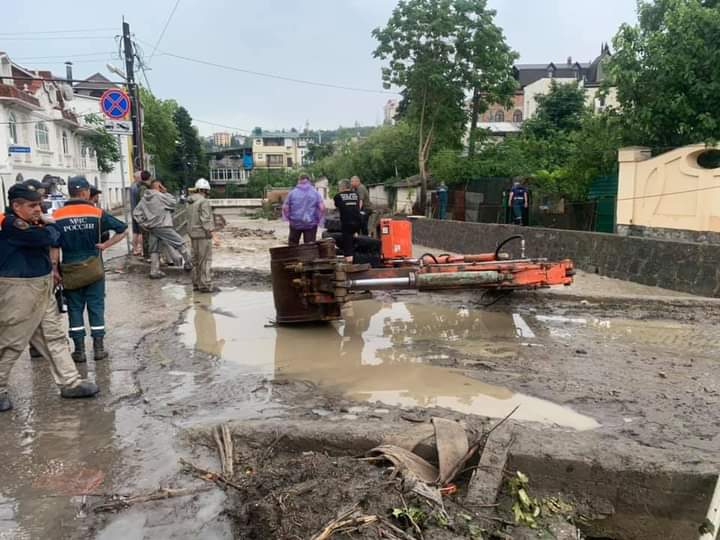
(162, 34)
(56, 31)
(278, 77)
(66, 56)
(221, 125)
(55, 38)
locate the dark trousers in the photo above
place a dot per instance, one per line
(348, 239)
(365, 219)
(518, 213)
(92, 297)
(308, 235)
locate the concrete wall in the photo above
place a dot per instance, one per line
(670, 191)
(683, 266)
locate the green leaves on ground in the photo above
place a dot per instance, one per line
(529, 510)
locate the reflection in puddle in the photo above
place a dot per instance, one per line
(379, 352)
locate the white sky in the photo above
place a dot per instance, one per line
(318, 40)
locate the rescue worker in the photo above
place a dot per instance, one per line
(41, 188)
(347, 202)
(201, 229)
(366, 209)
(154, 213)
(518, 202)
(29, 311)
(81, 225)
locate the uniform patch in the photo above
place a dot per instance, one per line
(20, 224)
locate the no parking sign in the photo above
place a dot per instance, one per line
(115, 104)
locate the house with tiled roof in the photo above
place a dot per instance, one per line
(43, 130)
(534, 80)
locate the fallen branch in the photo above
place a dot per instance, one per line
(122, 502)
(224, 442)
(346, 522)
(209, 475)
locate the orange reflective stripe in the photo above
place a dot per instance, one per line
(77, 210)
(2, 219)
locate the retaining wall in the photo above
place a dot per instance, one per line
(683, 266)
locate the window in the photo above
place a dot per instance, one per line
(42, 137)
(258, 142)
(260, 157)
(499, 116)
(65, 142)
(275, 160)
(517, 117)
(12, 128)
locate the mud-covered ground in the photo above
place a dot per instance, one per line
(617, 375)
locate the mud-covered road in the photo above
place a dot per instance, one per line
(610, 374)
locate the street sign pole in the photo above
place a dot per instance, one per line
(123, 194)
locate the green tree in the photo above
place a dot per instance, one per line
(387, 152)
(666, 75)
(487, 60)
(189, 161)
(159, 131)
(420, 44)
(560, 110)
(103, 143)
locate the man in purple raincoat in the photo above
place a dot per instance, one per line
(304, 210)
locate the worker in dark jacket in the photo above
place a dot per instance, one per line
(348, 204)
(82, 225)
(29, 311)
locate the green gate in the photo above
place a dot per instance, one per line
(604, 190)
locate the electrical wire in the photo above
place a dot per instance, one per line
(275, 76)
(221, 125)
(55, 38)
(56, 31)
(162, 34)
(66, 56)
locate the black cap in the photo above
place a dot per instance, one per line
(21, 191)
(34, 184)
(95, 191)
(78, 183)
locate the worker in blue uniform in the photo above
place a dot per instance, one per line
(82, 225)
(29, 312)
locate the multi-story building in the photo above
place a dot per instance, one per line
(535, 80)
(230, 167)
(280, 149)
(221, 139)
(41, 135)
(390, 112)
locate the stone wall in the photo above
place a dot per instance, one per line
(682, 266)
(676, 235)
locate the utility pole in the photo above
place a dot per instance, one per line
(133, 90)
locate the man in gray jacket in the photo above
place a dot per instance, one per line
(201, 228)
(154, 213)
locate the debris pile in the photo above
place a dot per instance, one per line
(241, 232)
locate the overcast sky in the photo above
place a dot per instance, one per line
(327, 41)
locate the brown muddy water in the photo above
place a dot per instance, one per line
(382, 352)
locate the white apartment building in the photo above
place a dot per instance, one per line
(41, 132)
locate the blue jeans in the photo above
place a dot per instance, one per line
(92, 296)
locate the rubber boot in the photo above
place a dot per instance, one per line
(85, 389)
(99, 352)
(78, 354)
(5, 403)
(187, 258)
(155, 272)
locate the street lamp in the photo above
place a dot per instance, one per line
(117, 71)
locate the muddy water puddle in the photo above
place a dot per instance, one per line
(381, 352)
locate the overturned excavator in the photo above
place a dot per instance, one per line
(311, 282)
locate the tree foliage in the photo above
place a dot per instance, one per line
(103, 143)
(159, 131)
(665, 71)
(189, 161)
(388, 152)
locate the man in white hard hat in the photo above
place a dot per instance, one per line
(201, 228)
